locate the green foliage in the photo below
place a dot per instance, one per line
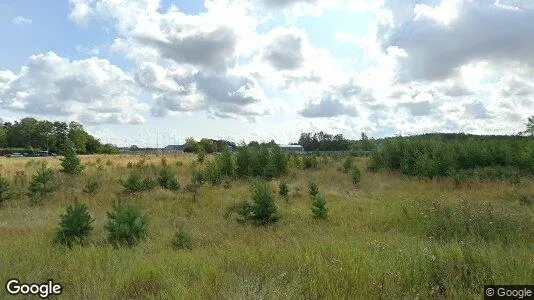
(167, 180)
(309, 162)
(182, 240)
(42, 184)
(356, 175)
(75, 226)
(319, 209)
(323, 142)
(347, 165)
(126, 225)
(201, 157)
(265, 160)
(429, 156)
(525, 200)
(283, 190)
(530, 127)
(135, 184)
(71, 163)
(30, 133)
(92, 187)
(313, 189)
(262, 210)
(5, 190)
(213, 173)
(226, 164)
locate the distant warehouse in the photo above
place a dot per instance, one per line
(293, 148)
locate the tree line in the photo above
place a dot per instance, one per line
(32, 134)
(322, 141)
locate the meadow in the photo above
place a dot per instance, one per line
(391, 236)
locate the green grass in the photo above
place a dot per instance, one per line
(391, 237)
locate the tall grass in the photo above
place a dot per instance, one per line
(393, 237)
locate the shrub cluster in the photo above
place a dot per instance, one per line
(433, 156)
(135, 184)
(5, 192)
(263, 160)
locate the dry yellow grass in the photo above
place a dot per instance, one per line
(371, 246)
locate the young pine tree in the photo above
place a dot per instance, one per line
(71, 163)
(283, 190)
(264, 209)
(356, 176)
(313, 189)
(42, 184)
(319, 209)
(126, 225)
(75, 226)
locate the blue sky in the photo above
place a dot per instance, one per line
(266, 69)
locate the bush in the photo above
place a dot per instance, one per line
(126, 225)
(213, 173)
(225, 164)
(347, 165)
(309, 162)
(283, 190)
(167, 180)
(201, 157)
(71, 163)
(319, 207)
(265, 160)
(356, 176)
(313, 189)
(5, 190)
(262, 210)
(75, 226)
(92, 187)
(134, 183)
(244, 212)
(42, 184)
(182, 240)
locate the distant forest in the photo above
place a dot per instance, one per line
(30, 133)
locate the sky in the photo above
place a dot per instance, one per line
(154, 72)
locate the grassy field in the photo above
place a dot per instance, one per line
(392, 237)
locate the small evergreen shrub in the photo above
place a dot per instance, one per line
(201, 157)
(313, 189)
(319, 209)
(347, 165)
(92, 187)
(71, 163)
(182, 240)
(356, 176)
(75, 226)
(126, 225)
(309, 162)
(134, 183)
(244, 212)
(167, 180)
(42, 184)
(5, 190)
(283, 190)
(262, 210)
(213, 173)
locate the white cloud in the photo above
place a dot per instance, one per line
(92, 89)
(20, 20)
